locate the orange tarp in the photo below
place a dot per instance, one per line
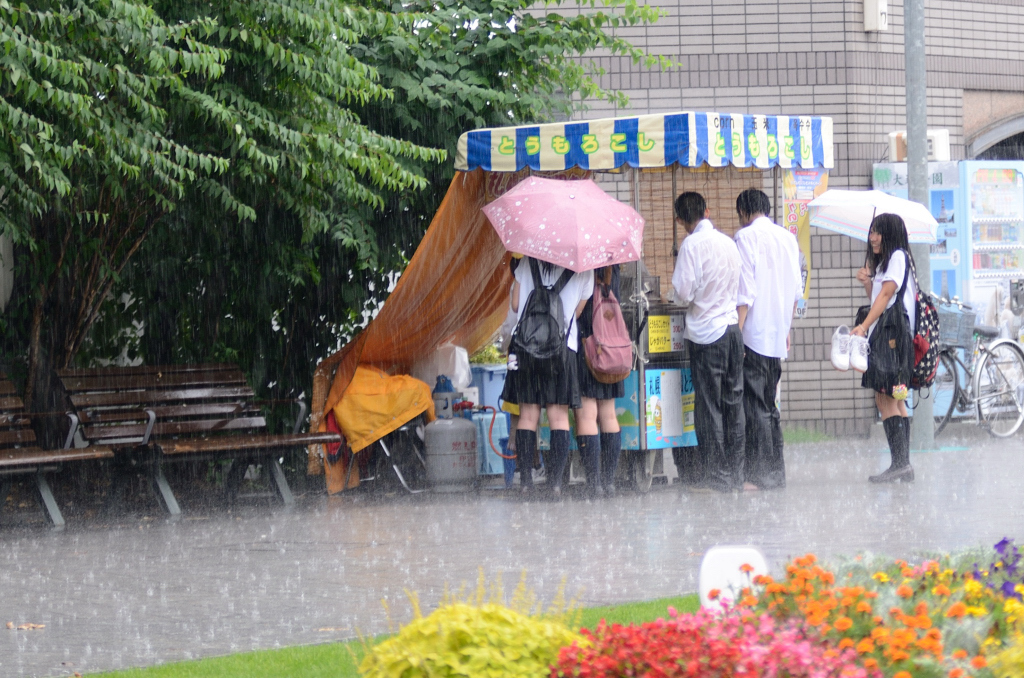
(455, 289)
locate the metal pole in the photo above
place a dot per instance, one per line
(923, 426)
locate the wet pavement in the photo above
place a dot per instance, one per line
(143, 592)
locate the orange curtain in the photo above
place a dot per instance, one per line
(455, 289)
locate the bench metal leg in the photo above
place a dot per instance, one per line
(163, 492)
(233, 479)
(280, 483)
(48, 503)
(5, 490)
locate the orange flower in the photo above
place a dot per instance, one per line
(865, 646)
(845, 643)
(941, 590)
(922, 608)
(870, 663)
(904, 591)
(979, 662)
(748, 601)
(957, 610)
(746, 568)
(714, 593)
(924, 621)
(864, 606)
(843, 624)
(959, 654)
(903, 674)
(956, 673)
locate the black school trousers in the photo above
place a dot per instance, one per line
(764, 464)
(717, 372)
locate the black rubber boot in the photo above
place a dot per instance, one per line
(526, 454)
(590, 455)
(906, 437)
(611, 450)
(898, 435)
(559, 459)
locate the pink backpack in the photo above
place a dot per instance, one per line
(609, 351)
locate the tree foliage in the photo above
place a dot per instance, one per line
(119, 116)
(241, 180)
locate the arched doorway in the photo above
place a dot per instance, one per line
(1004, 141)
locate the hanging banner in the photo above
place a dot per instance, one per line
(686, 138)
(799, 187)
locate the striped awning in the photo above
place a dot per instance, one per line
(660, 140)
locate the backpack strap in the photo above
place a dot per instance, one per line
(563, 280)
(906, 272)
(535, 271)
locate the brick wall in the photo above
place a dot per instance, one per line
(812, 57)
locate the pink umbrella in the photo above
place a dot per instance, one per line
(572, 223)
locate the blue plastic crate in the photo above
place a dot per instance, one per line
(490, 379)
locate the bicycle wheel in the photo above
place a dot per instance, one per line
(999, 389)
(945, 391)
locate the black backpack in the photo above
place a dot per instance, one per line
(541, 330)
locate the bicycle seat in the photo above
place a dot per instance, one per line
(986, 331)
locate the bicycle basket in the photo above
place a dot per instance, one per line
(956, 327)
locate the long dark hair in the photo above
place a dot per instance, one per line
(894, 237)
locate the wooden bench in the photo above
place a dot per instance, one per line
(151, 415)
(19, 454)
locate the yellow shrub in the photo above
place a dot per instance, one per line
(1009, 662)
(475, 638)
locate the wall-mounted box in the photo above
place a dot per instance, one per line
(938, 146)
(876, 15)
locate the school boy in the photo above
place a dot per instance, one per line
(706, 277)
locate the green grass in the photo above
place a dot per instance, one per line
(339, 660)
(803, 435)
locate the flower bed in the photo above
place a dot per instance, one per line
(951, 617)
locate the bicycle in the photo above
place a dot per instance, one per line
(992, 369)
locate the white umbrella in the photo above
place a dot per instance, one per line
(851, 212)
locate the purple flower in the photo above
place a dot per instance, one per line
(1008, 590)
(1004, 544)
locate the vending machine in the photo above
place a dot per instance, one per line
(992, 211)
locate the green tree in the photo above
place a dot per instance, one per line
(120, 119)
(264, 294)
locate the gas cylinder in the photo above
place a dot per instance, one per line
(451, 454)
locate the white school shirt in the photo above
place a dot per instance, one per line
(897, 266)
(706, 277)
(579, 287)
(770, 284)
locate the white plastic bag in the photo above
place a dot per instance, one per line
(449, 360)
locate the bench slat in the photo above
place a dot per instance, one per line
(150, 382)
(17, 436)
(152, 397)
(168, 412)
(144, 369)
(173, 428)
(11, 403)
(246, 443)
(33, 456)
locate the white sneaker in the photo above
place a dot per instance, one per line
(859, 353)
(841, 348)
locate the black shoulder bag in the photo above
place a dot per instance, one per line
(891, 358)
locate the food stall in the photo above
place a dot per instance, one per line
(647, 161)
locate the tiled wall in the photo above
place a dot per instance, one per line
(812, 57)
